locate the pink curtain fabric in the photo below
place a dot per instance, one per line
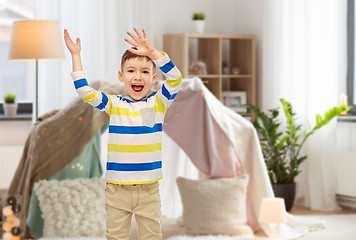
(219, 142)
(190, 124)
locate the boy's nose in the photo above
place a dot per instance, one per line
(138, 75)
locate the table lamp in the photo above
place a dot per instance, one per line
(35, 40)
(272, 212)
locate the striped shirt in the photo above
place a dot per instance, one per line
(135, 128)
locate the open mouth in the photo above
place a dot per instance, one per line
(137, 88)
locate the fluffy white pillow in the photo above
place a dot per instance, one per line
(72, 208)
(215, 206)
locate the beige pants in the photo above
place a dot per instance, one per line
(123, 200)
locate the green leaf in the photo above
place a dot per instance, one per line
(281, 147)
(318, 120)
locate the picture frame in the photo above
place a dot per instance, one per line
(234, 100)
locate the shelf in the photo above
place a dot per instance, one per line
(222, 76)
(24, 112)
(236, 76)
(207, 52)
(204, 76)
(212, 35)
(17, 117)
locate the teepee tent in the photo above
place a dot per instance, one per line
(219, 142)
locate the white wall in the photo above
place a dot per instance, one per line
(14, 132)
(225, 16)
(13, 136)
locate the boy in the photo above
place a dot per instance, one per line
(135, 130)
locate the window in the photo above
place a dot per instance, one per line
(351, 55)
(15, 76)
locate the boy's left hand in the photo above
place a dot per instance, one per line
(143, 45)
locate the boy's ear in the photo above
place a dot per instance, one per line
(120, 76)
(154, 78)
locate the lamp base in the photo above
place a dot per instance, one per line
(274, 231)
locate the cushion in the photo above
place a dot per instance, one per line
(214, 206)
(72, 208)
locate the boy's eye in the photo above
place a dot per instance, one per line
(146, 72)
(130, 71)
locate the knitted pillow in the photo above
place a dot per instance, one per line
(72, 208)
(215, 206)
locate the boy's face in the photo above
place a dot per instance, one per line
(138, 76)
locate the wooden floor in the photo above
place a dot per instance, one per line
(300, 210)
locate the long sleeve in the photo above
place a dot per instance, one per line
(95, 98)
(170, 87)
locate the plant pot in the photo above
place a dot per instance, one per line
(225, 70)
(10, 109)
(199, 26)
(287, 192)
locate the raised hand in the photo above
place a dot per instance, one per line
(142, 44)
(74, 48)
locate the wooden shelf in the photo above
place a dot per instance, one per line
(222, 76)
(236, 76)
(212, 49)
(204, 76)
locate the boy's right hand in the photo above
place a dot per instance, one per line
(74, 48)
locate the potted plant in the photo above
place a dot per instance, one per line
(199, 21)
(281, 148)
(10, 106)
(225, 67)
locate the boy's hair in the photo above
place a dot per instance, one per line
(128, 55)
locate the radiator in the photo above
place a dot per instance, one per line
(346, 178)
(346, 201)
(9, 159)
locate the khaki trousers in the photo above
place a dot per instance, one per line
(143, 200)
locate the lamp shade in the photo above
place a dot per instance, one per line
(36, 39)
(272, 210)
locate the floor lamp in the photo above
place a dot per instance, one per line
(36, 40)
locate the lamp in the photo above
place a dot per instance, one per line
(36, 39)
(272, 212)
